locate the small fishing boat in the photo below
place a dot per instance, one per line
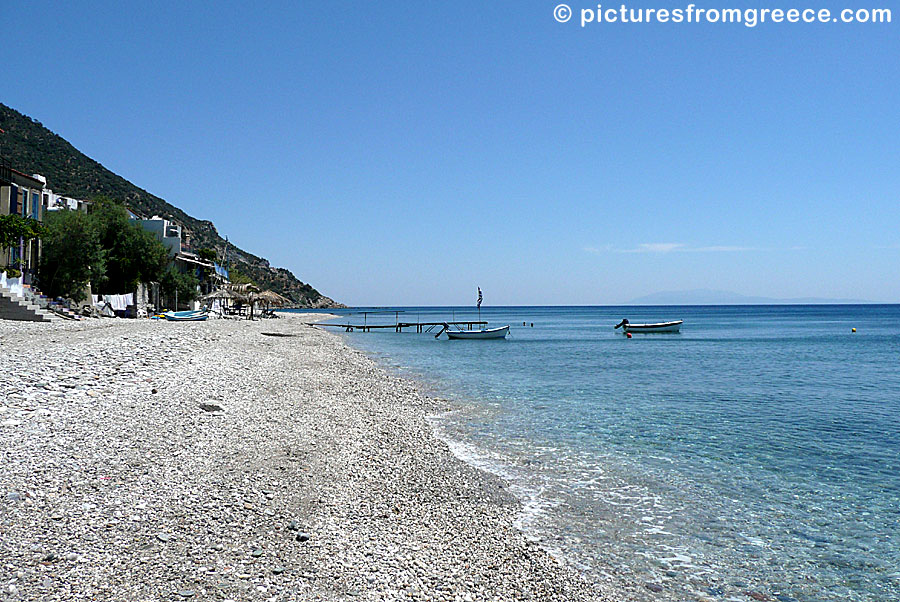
(655, 327)
(484, 333)
(186, 316)
(488, 333)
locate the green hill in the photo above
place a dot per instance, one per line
(32, 148)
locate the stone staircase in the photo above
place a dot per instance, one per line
(15, 307)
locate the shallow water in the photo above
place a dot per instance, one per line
(756, 451)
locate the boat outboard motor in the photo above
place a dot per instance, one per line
(624, 322)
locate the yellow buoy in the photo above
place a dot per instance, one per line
(852, 330)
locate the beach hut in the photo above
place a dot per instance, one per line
(244, 296)
(222, 300)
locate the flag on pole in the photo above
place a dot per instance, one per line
(479, 297)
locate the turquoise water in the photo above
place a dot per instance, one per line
(756, 452)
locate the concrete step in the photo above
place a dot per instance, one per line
(15, 307)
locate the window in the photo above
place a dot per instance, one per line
(14, 200)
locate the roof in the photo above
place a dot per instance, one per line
(21, 179)
(194, 259)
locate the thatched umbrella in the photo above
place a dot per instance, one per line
(271, 298)
(243, 289)
(219, 294)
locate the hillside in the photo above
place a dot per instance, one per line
(32, 148)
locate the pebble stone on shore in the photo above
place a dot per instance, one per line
(148, 460)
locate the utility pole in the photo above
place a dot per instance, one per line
(226, 255)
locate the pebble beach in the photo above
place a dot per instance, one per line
(236, 460)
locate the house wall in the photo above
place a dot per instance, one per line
(55, 202)
(166, 232)
(23, 196)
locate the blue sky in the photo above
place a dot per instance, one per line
(405, 152)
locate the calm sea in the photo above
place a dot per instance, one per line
(755, 455)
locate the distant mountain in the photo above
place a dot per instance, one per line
(711, 297)
(32, 148)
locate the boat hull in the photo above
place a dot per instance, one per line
(653, 328)
(186, 316)
(490, 333)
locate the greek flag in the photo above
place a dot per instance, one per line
(479, 297)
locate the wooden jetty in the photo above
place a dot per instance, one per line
(399, 326)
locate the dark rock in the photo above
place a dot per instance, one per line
(49, 557)
(278, 570)
(654, 587)
(211, 407)
(154, 391)
(302, 537)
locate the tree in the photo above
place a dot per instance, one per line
(15, 227)
(133, 255)
(71, 254)
(236, 277)
(102, 247)
(208, 254)
(174, 284)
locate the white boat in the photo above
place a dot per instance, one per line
(485, 333)
(627, 326)
(489, 333)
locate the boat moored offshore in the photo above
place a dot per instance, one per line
(673, 326)
(484, 333)
(488, 333)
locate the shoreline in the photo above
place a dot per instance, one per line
(311, 472)
(527, 489)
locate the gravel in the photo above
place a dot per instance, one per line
(148, 460)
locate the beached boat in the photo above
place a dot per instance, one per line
(655, 327)
(186, 316)
(488, 333)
